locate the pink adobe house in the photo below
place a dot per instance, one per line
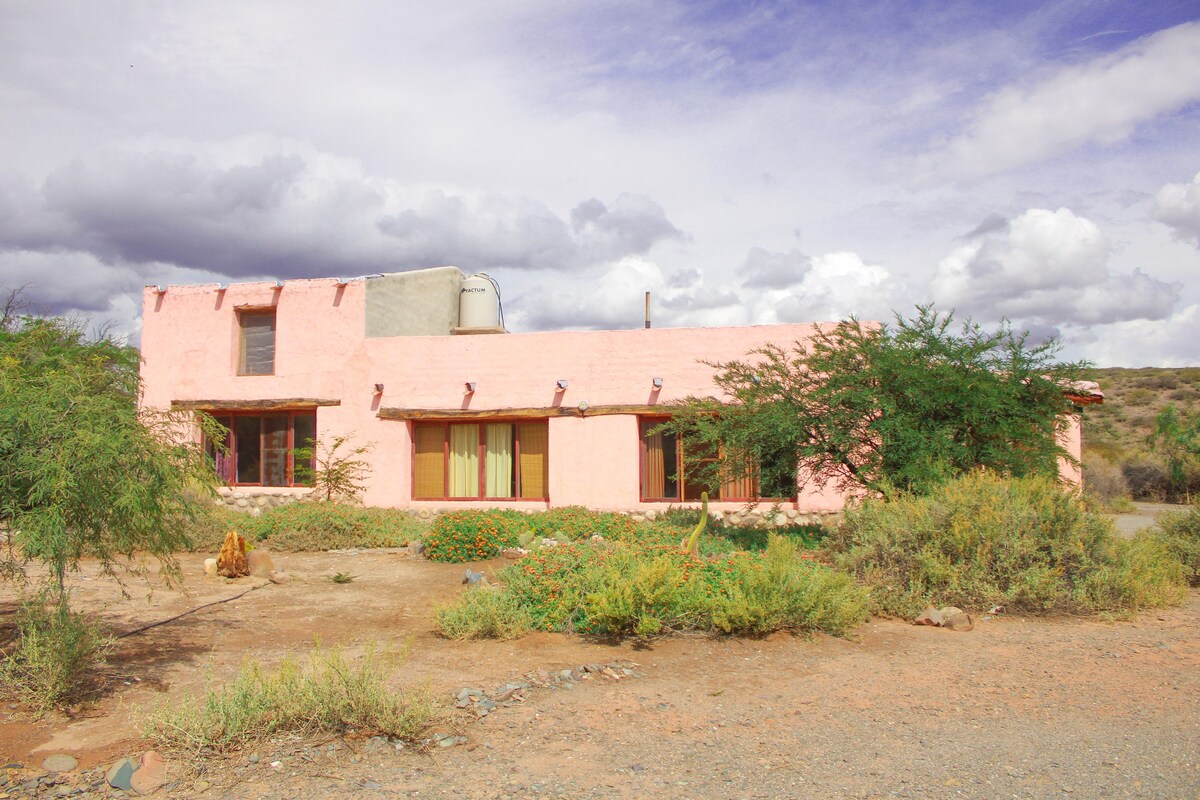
(458, 418)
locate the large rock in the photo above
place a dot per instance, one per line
(231, 563)
(59, 762)
(210, 566)
(930, 616)
(956, 619)
(150, 774)
(259, 563)
(121, 773)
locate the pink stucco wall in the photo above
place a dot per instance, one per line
(190, 341)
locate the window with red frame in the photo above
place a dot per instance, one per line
(481, 460)
(256, 341)
(669, 470)
(260, 448)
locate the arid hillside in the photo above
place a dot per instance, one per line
(1117, 455)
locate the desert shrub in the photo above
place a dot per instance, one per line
(303, 527)
(56, 653)
(484, 612)
(329, 695)
(672, 525)
(1104, 481)
(1159, 381)
(982, 540)
(1179, 532)
(206, 531)
(474, 535)
(1136, 573)
(576, 522)
(299, 527)
(1147, 480)
(741, 537)
(641, 589)
(1138, 397)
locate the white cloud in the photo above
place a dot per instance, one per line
(1178, 206)
(835, 286)
(1047, 267)
(1102, 100)
(1170, 342)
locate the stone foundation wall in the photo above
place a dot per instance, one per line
(253, 501)
(760, 519)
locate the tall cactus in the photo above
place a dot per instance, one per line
(692, 544)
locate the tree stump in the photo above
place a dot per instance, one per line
(231, 563)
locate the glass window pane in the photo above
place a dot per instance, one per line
(275, 449)
(533, 443)
(257, 345)
(498, 460)
(429, 462)
(659, 462)
(246, 431)
(464, 460)
(222, 460)
(304, 437)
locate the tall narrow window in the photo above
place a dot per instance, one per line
(480, 461)
(256, 342)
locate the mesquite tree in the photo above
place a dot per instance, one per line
(881, 408)
(83, 470)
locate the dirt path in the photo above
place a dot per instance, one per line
(1142, 517)
(1015, 708)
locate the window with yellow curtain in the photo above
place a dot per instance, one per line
(464, 461)
(473, 460)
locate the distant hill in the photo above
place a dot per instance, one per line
(1115, 432)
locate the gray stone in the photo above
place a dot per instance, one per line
(59, 762)
(472, 578)
(416, 548)
(280, 577)
(120, 774)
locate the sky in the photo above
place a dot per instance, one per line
(745, 162)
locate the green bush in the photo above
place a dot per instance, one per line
(1137, 573)
(983, 540)
(1179, 532)
(643, 589)
(573, 523)
(330, 696)
(472, 535)
(56, 654)
(484, 612)
(302, 527)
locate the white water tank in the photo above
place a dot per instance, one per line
(479, 302)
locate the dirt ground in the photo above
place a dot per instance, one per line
(1018, 707)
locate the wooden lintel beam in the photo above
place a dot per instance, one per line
(252, 405)
(517, 413)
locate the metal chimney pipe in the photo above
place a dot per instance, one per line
(647, 311)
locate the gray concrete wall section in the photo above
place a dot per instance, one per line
(419, 303)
